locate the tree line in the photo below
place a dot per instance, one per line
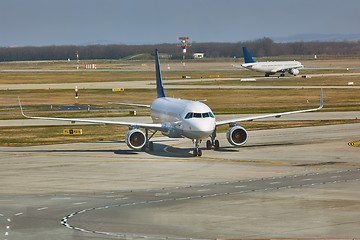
(259, 48)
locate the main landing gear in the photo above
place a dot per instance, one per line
(213, 142)
(149, 145)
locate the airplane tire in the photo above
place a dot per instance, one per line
(217, 145)
(195, 153)
(199, 153)
(208, 144)
(151, 146)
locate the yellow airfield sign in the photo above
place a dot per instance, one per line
(72, 132)
(118, 89)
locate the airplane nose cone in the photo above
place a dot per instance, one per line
(202, 129)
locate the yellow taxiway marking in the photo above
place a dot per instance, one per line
(354, 143)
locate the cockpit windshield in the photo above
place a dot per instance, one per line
(199, 115)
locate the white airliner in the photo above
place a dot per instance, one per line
(178, 118)
(270, 68)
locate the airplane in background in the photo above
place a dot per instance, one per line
(179, 118)
(272, 67)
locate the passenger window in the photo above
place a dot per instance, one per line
(197, 115)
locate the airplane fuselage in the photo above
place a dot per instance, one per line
(183, 118)
(273, 67)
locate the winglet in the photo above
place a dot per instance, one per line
(159, 85)
(321, 99)
(21, 109)
(247, 56)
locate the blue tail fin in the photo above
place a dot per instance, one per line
(247, 56)
(159, 85)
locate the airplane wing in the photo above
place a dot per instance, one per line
(152, 126)
(281, 69)
(130, 104)
(250, 118)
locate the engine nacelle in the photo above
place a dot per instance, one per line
(294, 71)
(135, 139)
(237, 135)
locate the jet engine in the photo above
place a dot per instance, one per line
(135, 139)
(294, 71)
(237, 135)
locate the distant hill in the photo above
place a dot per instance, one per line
(310, 37)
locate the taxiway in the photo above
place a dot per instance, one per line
(299, 182)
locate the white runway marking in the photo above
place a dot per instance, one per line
(18, 214)
(265, 187)
(274, 183)
(240, 186)
(123, 198)
(162, 194)
(204, 190)
(43, 208)
(79, 203)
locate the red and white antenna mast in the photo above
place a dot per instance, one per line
(184, 43)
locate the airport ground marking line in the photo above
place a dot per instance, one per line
(43, 208)
(204, 190)
(272, 183)
(64, 221)
(123, 198)
(61, 198)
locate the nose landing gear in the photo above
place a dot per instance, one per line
(197, 151)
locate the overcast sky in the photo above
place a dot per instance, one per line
(59, 22)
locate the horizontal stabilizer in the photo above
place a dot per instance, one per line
(130, 104)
